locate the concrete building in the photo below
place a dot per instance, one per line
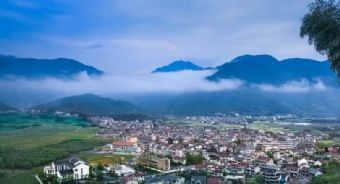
(72, 168)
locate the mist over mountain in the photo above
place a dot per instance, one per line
(89, 104)
(249, 84)
(179, 65)
(31, 68)
(251, 101)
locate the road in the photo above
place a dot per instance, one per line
(39, 180)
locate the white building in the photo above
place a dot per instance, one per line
(303, 163)
(71, 168)
(123, 170)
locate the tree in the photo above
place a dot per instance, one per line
(322, 27)
(258, 179)
(100, 167)
(2, 174)
(193, 159)
(331, 174)
(100, 176)
(170, 140)
(270, 154)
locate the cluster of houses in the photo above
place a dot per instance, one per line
(230, 155)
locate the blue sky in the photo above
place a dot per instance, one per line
(136, 36)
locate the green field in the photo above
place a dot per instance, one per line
(34, 132)
(21, 176)
(26, 130)
(269, 126)
(95, 159)
(193, 123)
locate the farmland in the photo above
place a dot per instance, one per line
(25, 140)
(29, 131)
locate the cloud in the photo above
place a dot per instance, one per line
(301, 86)
(14, 15)
(176, 82)
(24, 93)
(25, 3)
(94, 46)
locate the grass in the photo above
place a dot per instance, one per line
(268, 126)
(329, 142)
(51, 130)
(193, 123)
(21, 176)
(94, 158)
(36, 137)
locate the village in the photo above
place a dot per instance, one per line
(174, 153)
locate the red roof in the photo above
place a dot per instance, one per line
(214, 180)
(123, 143)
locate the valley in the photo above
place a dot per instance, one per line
(30, 140)
(169, 92)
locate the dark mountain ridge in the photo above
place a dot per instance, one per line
(89, 104)
(32, 68)
(179, 65)
(248, 100)
(267, 69)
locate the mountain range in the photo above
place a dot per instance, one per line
(263, 69)
(266, 69)
(249, 99)
(89, 104)
(258, 69)
(32, 68)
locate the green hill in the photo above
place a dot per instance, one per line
(89, 104)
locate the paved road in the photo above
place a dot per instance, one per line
(39, 180)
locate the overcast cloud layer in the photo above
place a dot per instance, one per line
(170, 82)
(136, 36)
(174, 82)
(23, 93)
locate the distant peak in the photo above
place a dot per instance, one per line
(182, 62)
(179, 65)
(32, 68)
(254, 58)
(302, 60)
(87, 94)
